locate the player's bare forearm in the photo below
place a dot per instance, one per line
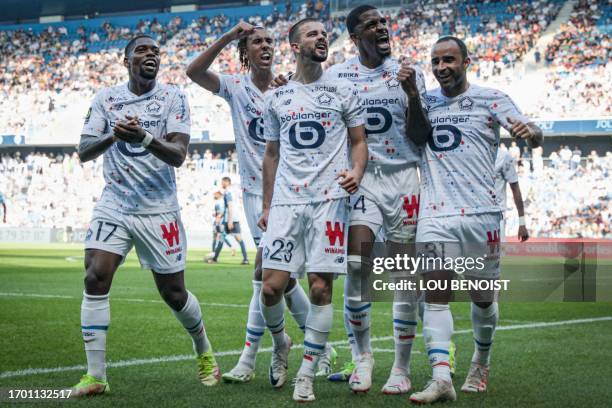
(418, 128)
(172, 150)
(198, 70)
(91, 147)
(270, 164)
(518, 198)
(359, 150)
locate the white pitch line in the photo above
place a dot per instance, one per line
(183, 357)
(50, 296)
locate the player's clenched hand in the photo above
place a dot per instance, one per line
(520, 130)
(240, 30)
(523, 234)
(280, 80)
(407, 77)
(349, 181)
(263, 220)
(129, 130)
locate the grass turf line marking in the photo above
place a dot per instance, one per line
(50, 296)
(183, 357)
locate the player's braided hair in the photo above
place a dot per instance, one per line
(242, 54)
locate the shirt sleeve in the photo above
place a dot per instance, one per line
(96, 123)
(226, 86)
(179, 119)
(352, 108)
(503, 107)
(508, 169)
(271, 124)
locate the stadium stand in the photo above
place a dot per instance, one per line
(47, 71)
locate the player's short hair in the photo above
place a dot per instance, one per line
(458, 41)
(352, 19)
(294, 30)
(130, 45)
(229, 180)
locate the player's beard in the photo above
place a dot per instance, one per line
(148, 74)
(314, 56)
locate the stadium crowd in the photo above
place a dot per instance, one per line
(565, 195)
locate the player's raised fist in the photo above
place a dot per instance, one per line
(240, 30)
(520, 130)
(280, 80)
(407, 77)
(263, 220)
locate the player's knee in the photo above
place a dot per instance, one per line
(97, 280)
(270, 293)
(483, 305)
(175, 297)
(320, 292)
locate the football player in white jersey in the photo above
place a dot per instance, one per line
(142, 127)
(505, 172)
(245, 94)
(392, 92)
(306, 178)
(458, 206)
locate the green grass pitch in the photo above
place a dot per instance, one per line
(534, 363)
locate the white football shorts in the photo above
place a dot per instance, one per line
(159, 239)
(304, 238)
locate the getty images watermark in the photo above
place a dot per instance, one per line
(538, 270)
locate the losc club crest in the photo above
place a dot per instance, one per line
(324, 99)
(392, 83)
(466, 103)
(153, 107)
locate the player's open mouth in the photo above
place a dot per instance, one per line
(266, 56)
(150, 64)
(321, 46)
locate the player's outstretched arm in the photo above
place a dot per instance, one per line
(270, 164)
(523, 234)
(198, 71)
(418, 128)
(91, 147)
(359, 155)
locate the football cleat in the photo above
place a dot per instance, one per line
(208, 369)
(452, 364)
(303, 389)
(327, 361)
(279, 364)
(344, 374)
(398, 382)
(361, 379)
(435, 390)
(90, 385)
(477, 379)
(239, 374)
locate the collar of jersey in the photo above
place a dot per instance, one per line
(134, 97)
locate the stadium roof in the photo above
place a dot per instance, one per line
(19, 11)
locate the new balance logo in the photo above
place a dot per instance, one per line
(335, 233)
(171, 233)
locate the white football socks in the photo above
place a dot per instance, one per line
(190, 317)
(255, 329)
(437, 332)
(298, 304)
(484, 322)
(358, 311)
(318, 326)
(275, 321)
(404, 330)
(95, 319)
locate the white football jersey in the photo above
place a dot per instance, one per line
(458, 166)
(505, 172)
(137, 181)
(247, 105)
(311, 122)
(385, 104)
